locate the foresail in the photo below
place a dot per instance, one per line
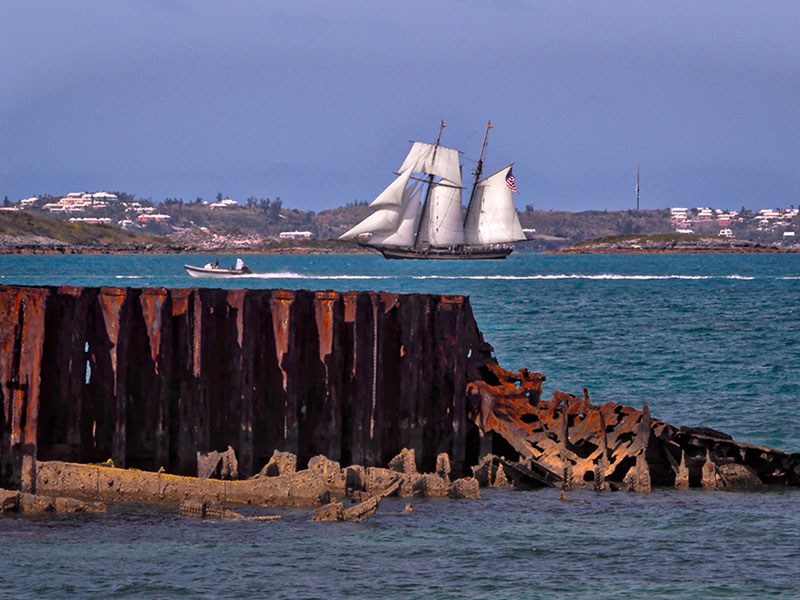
(445, 216)
(384, 220)
(493, 217)
(404, 236)
(435, 160)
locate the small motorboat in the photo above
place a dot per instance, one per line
(209, 270)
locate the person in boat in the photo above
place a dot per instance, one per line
(240, 266)
(216, 264)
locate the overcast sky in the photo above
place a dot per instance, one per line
(315, 102)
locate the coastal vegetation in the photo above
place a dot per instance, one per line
(667, 242)
(136, 224)
(24, 229)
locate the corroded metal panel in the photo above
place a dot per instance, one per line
(22, 312)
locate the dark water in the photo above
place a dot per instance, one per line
(710, 340)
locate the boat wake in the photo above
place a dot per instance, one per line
(601, 276)
(553, 276)
(292, 275)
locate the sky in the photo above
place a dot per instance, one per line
(315, 102)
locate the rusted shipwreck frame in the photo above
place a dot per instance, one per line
(148, 377)
(568, 440)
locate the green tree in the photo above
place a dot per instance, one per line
(275, 208)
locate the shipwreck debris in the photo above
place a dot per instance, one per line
(148, 378)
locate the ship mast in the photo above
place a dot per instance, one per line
(425, 209)
(478, 171)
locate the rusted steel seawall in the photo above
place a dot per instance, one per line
(148, 377)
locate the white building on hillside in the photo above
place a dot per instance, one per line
(227, 203)
(295, 235)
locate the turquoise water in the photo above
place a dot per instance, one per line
(706, 340)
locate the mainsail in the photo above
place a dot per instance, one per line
(445, 215)
(440, 223)
(492, 218)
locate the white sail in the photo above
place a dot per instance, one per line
(493, 217)
(404, 236)
(386, 219)
(445, 216)
(393, 194)
(434, 160)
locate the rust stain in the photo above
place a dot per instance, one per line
(280, 305)
(323, 312)
(180, 300)
(389, 300)
(152, 301)
(350, 301)
(111, 301)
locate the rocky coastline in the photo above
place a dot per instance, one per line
(672, 244)
(215, 243)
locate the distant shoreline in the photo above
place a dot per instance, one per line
(57, 251)
(310, 252)
(676, 251)
(669, 243)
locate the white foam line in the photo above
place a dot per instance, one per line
(604, 276)
(599, 277)
(290, 275)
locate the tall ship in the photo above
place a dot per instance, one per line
(421, 215)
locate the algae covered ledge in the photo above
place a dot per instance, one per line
(370, 393)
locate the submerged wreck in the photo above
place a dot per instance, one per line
(147, 378)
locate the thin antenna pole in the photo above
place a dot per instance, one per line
(637, 187)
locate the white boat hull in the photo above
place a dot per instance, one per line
(218, 273)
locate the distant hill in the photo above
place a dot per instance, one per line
(23, 231)
(20, 231)
(667, 243)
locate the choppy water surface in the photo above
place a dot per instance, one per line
(710, 340)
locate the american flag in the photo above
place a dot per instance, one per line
(510, 182)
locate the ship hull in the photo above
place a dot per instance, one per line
(456, 253)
